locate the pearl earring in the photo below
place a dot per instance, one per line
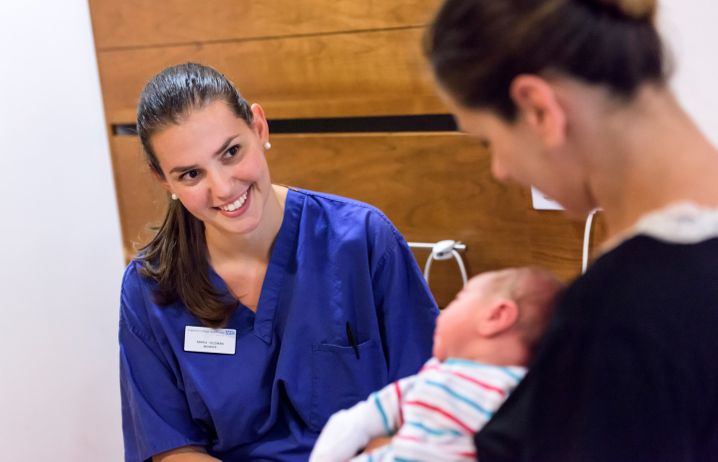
(174, 196)
(267, 145)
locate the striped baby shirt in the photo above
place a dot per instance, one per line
(434, 414)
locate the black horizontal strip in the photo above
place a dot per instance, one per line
(124, 129)
(403, 123)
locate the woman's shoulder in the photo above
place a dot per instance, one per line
(662, 243)
(645, 280)
(676, 223)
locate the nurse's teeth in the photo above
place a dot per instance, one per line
(236, 204)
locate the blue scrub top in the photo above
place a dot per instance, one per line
(334, 261)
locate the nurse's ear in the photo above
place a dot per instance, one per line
(160, 178)
(539, 106)
(259, 124)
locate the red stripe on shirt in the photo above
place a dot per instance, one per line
(484, 385)
(429, 368)
(407, 437)
(398, 400)
(446, 414)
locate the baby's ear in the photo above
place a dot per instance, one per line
(498, 317)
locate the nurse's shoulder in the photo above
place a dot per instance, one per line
(136, 296)
(352, 220)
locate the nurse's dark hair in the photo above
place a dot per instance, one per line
(477, 47)
(176, 258)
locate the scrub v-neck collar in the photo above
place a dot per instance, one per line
(282, 252)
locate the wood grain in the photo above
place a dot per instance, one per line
(144, 23)
(140, 199)
(352, 74)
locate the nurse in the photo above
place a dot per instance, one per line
(571, 96)
(318, 298)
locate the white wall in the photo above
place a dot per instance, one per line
(692, 34)
(60, 249)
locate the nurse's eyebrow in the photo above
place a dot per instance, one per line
(216, 153)
(225, 145)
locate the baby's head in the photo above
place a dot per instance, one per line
(498, 317)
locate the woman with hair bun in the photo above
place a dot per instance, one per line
(571, 96)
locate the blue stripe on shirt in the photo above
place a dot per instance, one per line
(460, 397)
(384, 419)
(466, 362)
(433, 431)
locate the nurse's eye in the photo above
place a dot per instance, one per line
(231, 152)
(190, 175)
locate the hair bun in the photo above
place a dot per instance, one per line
(635, 9)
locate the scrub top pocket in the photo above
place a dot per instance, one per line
(340, 379)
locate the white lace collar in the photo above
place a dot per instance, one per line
(678, 223)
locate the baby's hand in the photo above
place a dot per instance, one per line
(340, 439)
(347, 432)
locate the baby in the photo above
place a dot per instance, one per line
(482, 344)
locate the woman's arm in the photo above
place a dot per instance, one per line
(184, 454)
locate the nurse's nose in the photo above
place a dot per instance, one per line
(220, 183)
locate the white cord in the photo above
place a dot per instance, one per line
(443, 250)
(462, 268)
(587, 240)
(427, 267)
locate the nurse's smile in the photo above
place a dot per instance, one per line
(237, 207)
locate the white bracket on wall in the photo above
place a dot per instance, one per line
(442, 250)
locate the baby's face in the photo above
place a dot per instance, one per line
(457, 323)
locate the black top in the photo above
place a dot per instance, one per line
(628, 370)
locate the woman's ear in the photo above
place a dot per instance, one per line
(259, 123)
(539, 107)
(498, 317)
(161, 180)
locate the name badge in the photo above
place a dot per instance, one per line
(206, 340)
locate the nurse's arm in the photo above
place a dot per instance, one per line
(184, 454)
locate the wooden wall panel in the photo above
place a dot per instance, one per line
(433, 186)
(436, 186)
(367, 73)
(320, 59)
(140, 199)
(142, 23)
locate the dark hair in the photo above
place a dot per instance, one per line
(477, 47)
(176, 258)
